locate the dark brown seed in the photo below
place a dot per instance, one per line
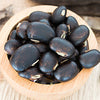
(22, 29)
(62, 47)
(48, 62)
(45, 21)
(11, 46)
(41, 47)
(32, 74)
(66, 71)
(38, 15)
(90, 59)
(24, 57)
(13, 35)
(79, 35)
(72, 22)
(62, 31)
(59, 15)
(40, 31)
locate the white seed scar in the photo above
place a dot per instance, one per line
(36, 41)
(63, 13)
(63, 35)
(35, 62)
(55, 66)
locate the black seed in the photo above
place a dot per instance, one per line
(38, 15)
(72, 22)
(11, 46)
(62, 31)
(13, 35)
(22, 29)
(48, 62)
(66, 71)
(90, 59)
(32, 74)
(79, 35)
(45, 21)
(41, 47)
(59, 15)
(41, 32)
(24, 57)
(62, 47)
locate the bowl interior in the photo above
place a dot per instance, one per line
(27, 87)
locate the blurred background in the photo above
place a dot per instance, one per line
(89, 10)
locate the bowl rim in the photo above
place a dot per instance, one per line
(31, 87)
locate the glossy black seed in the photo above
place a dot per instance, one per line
(62, 31)
(41, 47)
(59, 15)
(38, 15)
(13, 35)
(24, 57)
(32, 74)
(48, 62)
(45, 21)
(62, 47)
(84, 47)
(79, 35)
(72, 22)
(66, 71)
(11, 46)
(90, 59)
(40, 31)
(22, 29)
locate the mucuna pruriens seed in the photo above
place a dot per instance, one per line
(72, 22)
(79, 35)
(40, 31)
(24, 57)
(11, 46)
(59, 15)
(32, 74)
(48, 62)
(90, 58)
(62, 47)
(38, 15)
(66, 71)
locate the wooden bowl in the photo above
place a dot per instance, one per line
(35, 90)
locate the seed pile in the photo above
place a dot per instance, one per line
(50, 48)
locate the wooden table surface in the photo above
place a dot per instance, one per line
(90, 91)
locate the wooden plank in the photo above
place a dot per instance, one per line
(66, 2)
